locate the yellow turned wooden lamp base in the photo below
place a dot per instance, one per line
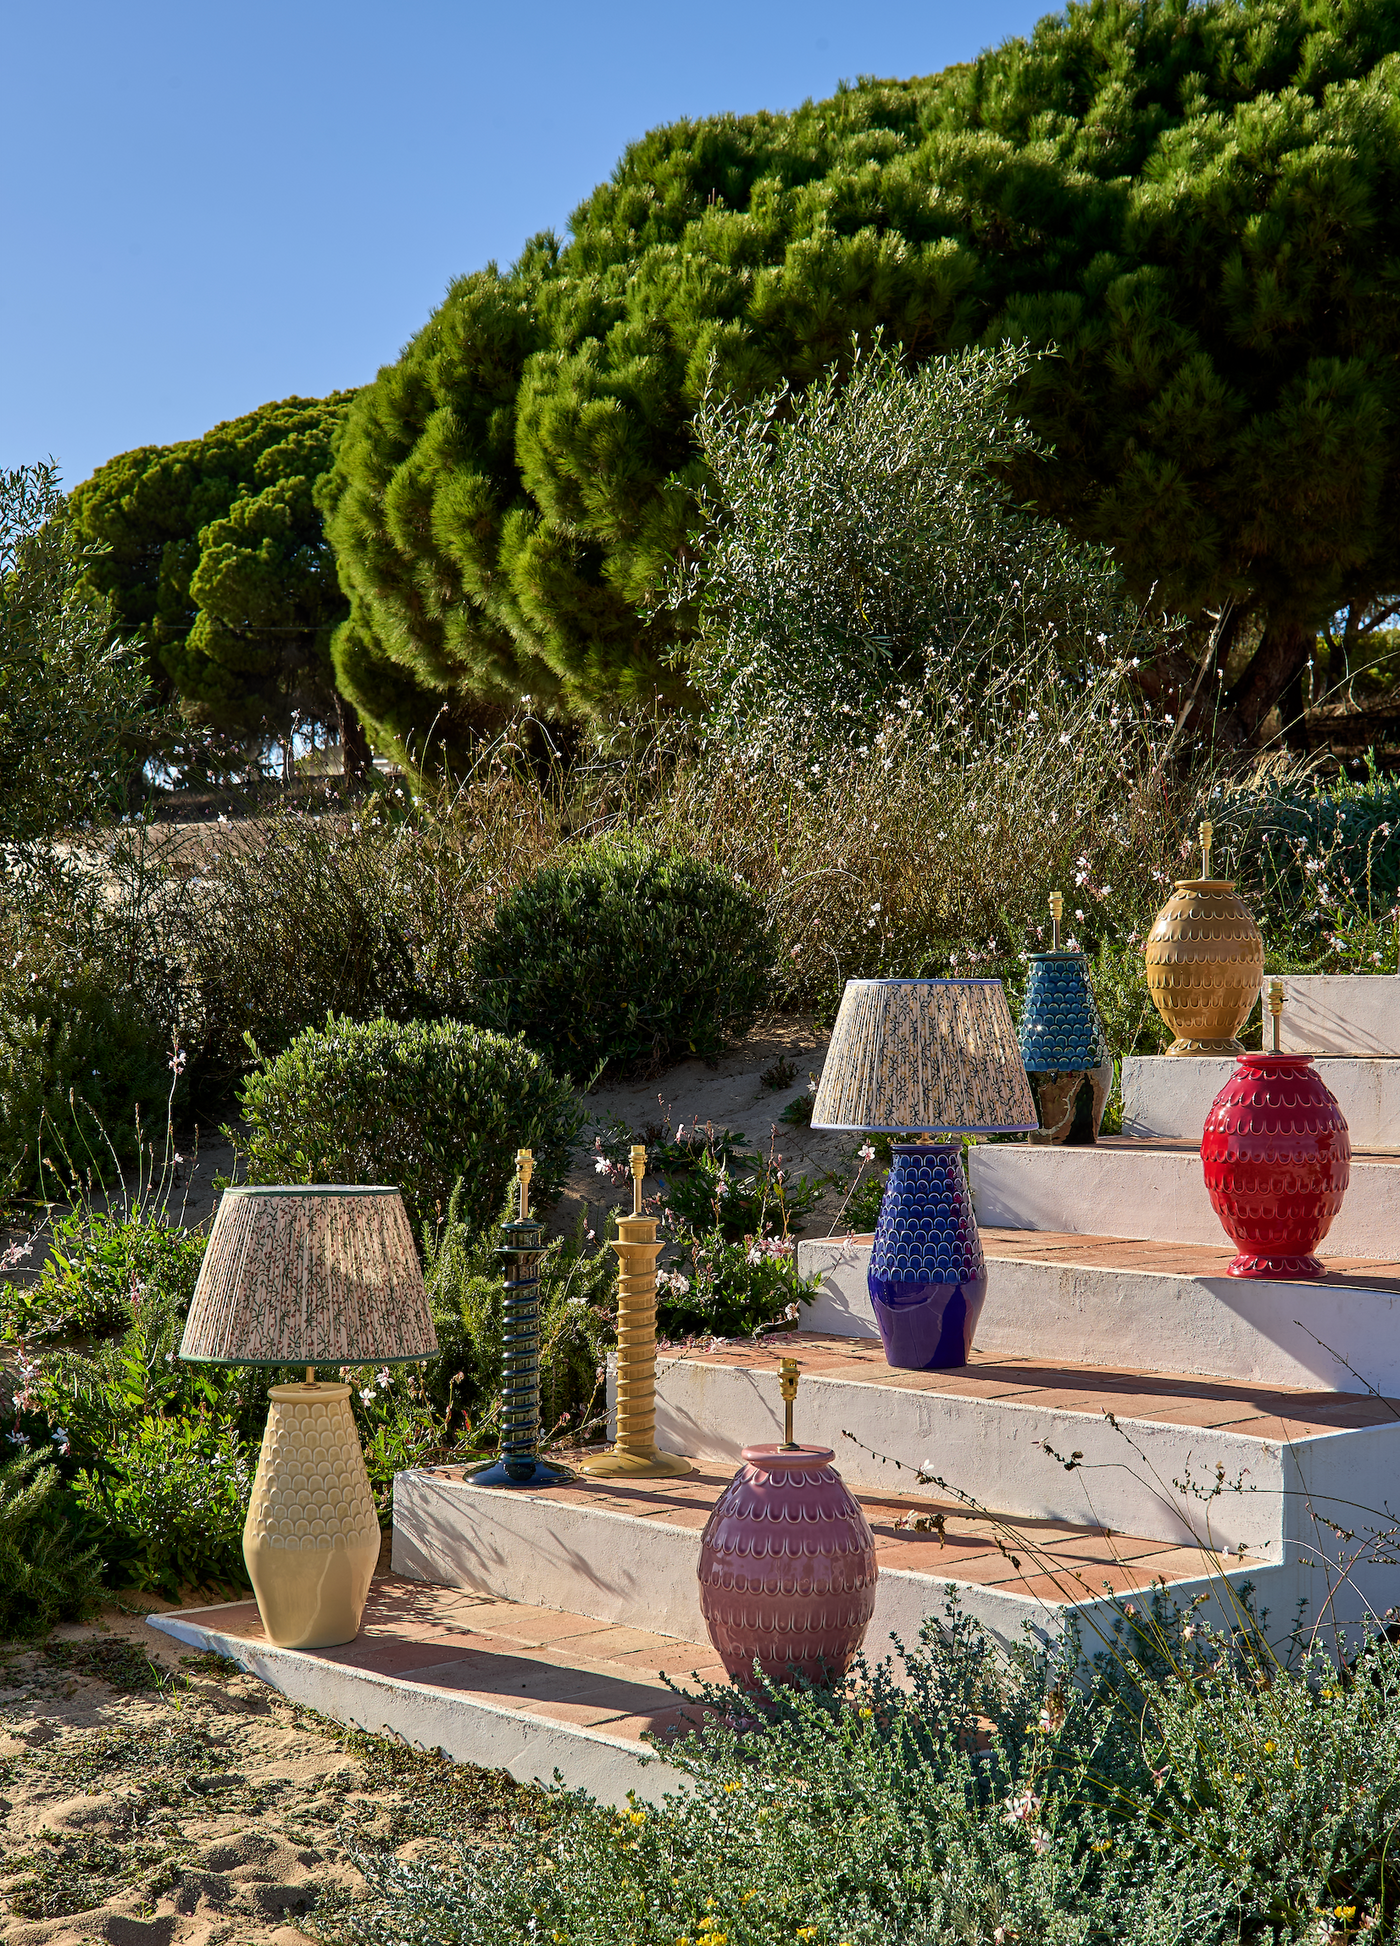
(311, 1539)
(636, 1455)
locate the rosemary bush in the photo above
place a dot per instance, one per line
(979, 1798)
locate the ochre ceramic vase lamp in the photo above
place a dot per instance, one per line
(310, 1275)
(787, 1563)
(936, 1058)
(1276, 1156)
(1063, 1046)
(635, 1454)
(1205, 960)
(518, 1463)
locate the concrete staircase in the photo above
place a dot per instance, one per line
(1131, 1418)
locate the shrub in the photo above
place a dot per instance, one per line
(969, 1796)
(1319, 862)
(625, 955)
(424, 1104)
(172, 1492)
(98, 1268)
(46, 1575)
(84, 1067)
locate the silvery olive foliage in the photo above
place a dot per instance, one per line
(74, 705)
(858, 544)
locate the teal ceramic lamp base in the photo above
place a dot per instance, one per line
(1065, 1052)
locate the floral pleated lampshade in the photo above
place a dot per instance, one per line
(310, 1274)
(933, 1057)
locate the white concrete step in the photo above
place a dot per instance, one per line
(1150, 1447)
(1169, 1100)
(1124, 1188)
(495, 1683)
(1138, 1305)
(630, 1555)
(1338, 1013)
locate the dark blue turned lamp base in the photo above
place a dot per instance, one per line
(927, 1278)
(519, 1463)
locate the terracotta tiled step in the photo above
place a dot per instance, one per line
(1184, 1259)
(629, 1553)
(491, 1682)
(1123, 1187)
(1086, 1298)
(1000, 1428)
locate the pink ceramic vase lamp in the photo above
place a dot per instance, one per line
(787, 1564)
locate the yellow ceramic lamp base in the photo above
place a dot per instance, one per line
(1205, 960)
(311, 1539)
(635, 1454)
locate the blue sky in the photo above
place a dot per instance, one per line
(211, 206)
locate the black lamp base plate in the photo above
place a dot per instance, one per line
(519, 1473)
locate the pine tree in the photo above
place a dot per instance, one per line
(215, 558)
(1195, 206)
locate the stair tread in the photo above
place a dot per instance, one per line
(569, 1669)
(1045, 1559)
(1087, 1252)
(1253, 1411)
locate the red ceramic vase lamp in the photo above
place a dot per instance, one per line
(1277, 1158)
(787, 1564)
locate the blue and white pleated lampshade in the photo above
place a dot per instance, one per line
(1060, 1031)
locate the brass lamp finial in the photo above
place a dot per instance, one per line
(639, 1169)
(525, 1163)
(1276, 1006)
(1057, 912)
(1205, 831)
(787, 1384)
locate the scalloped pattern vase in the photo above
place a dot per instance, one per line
(927, 1278)
(1276, 1156)
(311, 1538)
(787, 1568)
(1205, 962)
(1065, 1051)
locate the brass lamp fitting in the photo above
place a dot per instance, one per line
(1276, 1007)
(787, 1385)
(1057, 912)
(1205, 830)
(635, 1454)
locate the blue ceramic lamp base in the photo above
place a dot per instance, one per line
(927, 1278)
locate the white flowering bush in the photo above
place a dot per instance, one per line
(1207, 1795)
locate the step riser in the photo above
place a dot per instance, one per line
(1143, 1320)
(992, 1450)
(1169, 1100)
(518, 1547)
(1157, 1194)
(529, 1747)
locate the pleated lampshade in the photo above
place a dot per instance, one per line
(310, 1274)
(930, 1057)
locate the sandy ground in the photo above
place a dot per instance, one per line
(150, 1796)
(737, 1093)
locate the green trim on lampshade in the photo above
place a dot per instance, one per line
(300, 1364)
(312, 1189)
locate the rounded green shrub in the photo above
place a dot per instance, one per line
(424, 1104)
(84, 1073)
(625, 956)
